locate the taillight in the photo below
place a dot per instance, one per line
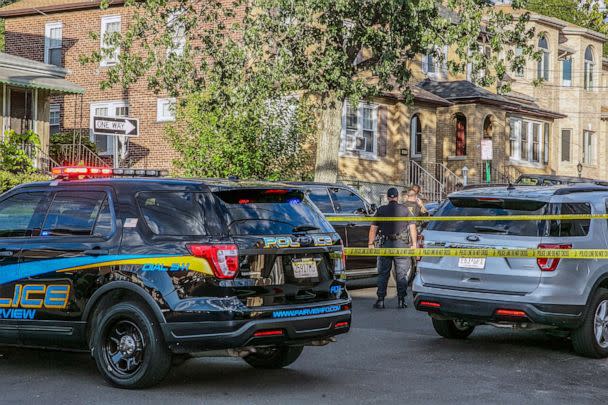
(224, 259)
(546, 264)
(514, 313)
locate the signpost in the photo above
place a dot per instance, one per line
(487, 156)
(124, 126)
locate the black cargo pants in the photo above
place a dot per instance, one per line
(403, 267)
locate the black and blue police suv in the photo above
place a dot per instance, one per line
(145, 271)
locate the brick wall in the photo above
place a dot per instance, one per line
(25, 37)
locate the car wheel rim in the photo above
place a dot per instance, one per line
(124, 348)
(601, 324)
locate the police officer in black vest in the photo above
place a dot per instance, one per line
(393, 234)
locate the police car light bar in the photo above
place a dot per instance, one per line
(90, 172)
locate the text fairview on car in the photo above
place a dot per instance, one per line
(143, 270)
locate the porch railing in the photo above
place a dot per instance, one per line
(79, 154)
(506, 174)
(42, 162)
(432, 188)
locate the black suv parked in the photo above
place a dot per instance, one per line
(141, 271)
(343, 201)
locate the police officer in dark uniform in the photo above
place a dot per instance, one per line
(393, 234)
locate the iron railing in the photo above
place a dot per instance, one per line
(79, 154)
(506, 174)
(432, 188)
(41, 161)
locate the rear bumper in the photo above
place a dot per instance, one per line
(484, 311)
(185, 337)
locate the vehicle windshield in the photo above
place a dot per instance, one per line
(270, 211)
(501, 209)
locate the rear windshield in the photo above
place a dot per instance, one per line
(501, 209)
(269, 211)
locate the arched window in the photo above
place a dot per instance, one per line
(416, 136)
(461, 135)
(589, 67)
(543, 63)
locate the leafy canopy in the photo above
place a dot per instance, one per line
(335, 49)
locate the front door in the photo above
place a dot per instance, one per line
(61, 266)
(20, 215)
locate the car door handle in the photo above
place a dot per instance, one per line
(6, 253)
(97, 252)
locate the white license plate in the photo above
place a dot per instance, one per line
(472, 262)
(304, 268)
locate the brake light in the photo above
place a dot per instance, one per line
(224, 259)
(547, 264)
(276, 191)
(269, 332)
(511, 312)
(430, 304)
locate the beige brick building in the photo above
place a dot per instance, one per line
(547, 128)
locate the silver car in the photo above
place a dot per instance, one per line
(568, 295)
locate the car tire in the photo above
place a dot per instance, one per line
(591, 339)
(129, 348)
(274, 357)
(451, 329)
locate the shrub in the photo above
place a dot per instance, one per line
(9, 180)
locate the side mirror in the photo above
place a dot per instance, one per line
(372, 209)
(360, 211)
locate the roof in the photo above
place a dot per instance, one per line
(538, 193)
(463, 91)
(30, 7)
(22, 72)
(418, 93)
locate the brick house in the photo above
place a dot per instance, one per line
(57, 31)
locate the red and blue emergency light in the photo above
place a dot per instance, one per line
(73, 172)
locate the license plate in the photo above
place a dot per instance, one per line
(304, 268)
(472, 262)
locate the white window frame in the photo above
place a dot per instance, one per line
(515, 139)
(178, 42)
(105, 21)
(343, 141)
(159, 109)
(589, 157)
(111, 106)
(414, 137)
(521, 72)
(440, 68)
(47, 39)
(55, 108)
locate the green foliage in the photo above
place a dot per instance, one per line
(9, 180)
(57, 140)
(13, 155)
(585, 13)
(241, 128)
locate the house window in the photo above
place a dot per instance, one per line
(360, 129)
(519, 72)
(461, 135)
(53, 33)
(109, 25)
(54, 118)
(434, 65)
(588, 147)
(589, 67)
(106, 144)
(416, 136)
(566, 145)
(177, 30)
(529, 141)
(567, 72)
(543, 63)
(165, 109)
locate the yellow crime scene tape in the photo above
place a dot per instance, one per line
(481, 252)
(473, 218)
(478, 252)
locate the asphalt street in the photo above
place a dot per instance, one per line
(390, 356)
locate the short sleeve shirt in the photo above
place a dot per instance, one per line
(391, 210)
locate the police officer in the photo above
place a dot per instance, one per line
(393, 234)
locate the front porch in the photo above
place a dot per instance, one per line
(25, 102)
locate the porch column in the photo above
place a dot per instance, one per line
(4, 109)
(35, 111)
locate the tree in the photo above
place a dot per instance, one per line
(237, 127)
(331, 50)
(589, 14)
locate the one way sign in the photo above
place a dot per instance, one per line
(116, 126)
